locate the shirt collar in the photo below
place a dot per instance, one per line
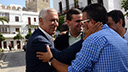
(105, 26)
(126, 33)
(47, 35)
(69, 34)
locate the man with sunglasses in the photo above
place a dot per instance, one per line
(74, 34)
(102, 51)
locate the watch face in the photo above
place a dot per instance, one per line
(49, 63)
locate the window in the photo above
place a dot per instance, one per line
(5, 14)
(60, 7)
(89, 2)
(100, 1)
(29, 20)
(67, 4)
(75, 3)
(16, 18)
(4, 29)
(34, 19)
(46, 0)
(17, 29)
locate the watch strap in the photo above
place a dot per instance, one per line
(49, 62)
(50, 59)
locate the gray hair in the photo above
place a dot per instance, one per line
(43, 13)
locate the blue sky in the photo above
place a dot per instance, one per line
(17, 2)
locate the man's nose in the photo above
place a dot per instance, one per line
(80, 23)
(56, 23)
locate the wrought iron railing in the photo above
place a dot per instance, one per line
(64, 9)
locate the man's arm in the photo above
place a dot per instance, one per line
(60, 67)
(45, 57)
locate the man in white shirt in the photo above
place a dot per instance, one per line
(74, 34)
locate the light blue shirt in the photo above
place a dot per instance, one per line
(103, 51)
(126, 35)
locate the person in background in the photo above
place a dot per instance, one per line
(73, 20)
(64, 27)
(10, 46)
(48, 22)
(116, 21)
(102, 51)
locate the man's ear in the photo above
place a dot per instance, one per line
(68, 22)
(93, 22)
(41, 20)
(120, 22)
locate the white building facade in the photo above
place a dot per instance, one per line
(109, 4)
(19, 21)
(62, 5)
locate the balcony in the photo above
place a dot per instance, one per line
(65, 9)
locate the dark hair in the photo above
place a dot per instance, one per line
(116, 16)
(71, 12)
(96, 12)
(64, 27)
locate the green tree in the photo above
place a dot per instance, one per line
(28, 35)
(18, 36)
(61, 21)
(124, 4)
(2, 19)
(2, 38)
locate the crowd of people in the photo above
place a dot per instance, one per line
(96, 41)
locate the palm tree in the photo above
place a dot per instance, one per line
(3, 18)
(2, 38)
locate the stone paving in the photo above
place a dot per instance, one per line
(4, 64)
(14, 69)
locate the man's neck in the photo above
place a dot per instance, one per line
(74, 34)
(122, 32)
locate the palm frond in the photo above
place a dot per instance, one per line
(3, 18)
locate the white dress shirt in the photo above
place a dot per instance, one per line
(48, 36)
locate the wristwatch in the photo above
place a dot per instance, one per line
(49, 62)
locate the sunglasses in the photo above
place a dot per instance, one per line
(85, 21)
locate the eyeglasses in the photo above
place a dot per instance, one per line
(85, 21)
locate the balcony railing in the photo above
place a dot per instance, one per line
(64, 9)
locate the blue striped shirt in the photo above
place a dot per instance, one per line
(103, 51)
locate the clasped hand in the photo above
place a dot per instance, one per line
(45, 56)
